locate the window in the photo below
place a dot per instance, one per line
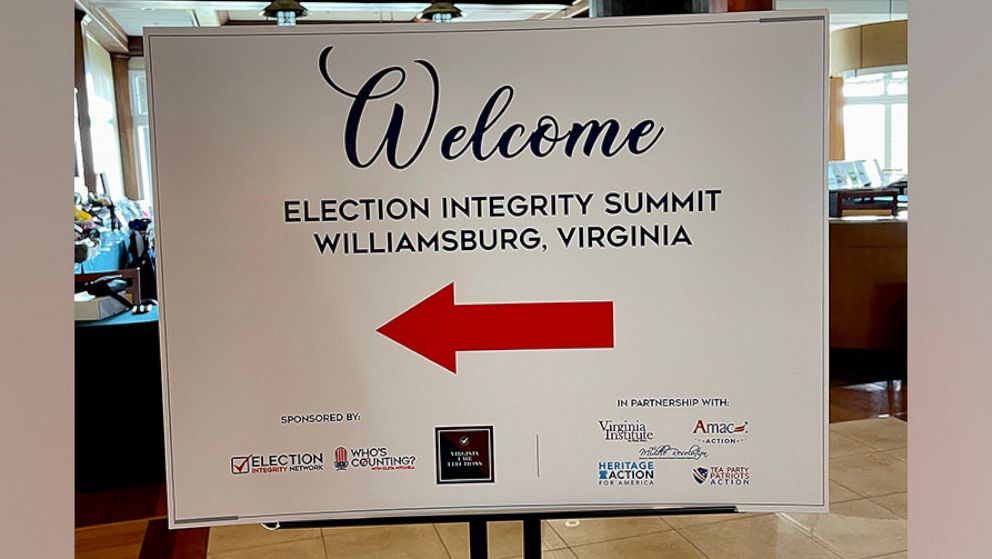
(875, 119)
(103, 118)
(142, 140)
(78, 182)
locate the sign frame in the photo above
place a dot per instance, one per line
(550, 510)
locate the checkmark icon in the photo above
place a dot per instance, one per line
(239, 464)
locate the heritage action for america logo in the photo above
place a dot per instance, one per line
(625, 473)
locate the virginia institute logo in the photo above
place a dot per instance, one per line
(626, 430)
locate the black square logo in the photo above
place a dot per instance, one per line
(464, 454)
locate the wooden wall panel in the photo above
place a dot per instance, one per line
(836, 129)
(884, 44)
(845, 50)
(868, 285)
(868, 46)
(82, 103)
(125, 126)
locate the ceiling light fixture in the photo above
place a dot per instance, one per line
(441, 12)
(286, 12)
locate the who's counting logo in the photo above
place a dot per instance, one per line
(341, 458)
(378, 459)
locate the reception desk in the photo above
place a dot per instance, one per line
(119, 433)
(868, 286)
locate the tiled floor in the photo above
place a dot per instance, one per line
(867, 520)
(874, 399)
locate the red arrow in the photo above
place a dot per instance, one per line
(437, 328)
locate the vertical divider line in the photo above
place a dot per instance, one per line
(537, 442)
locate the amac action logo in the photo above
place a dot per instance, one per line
(720, 432)
(718, 428)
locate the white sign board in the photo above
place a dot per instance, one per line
(415, 270)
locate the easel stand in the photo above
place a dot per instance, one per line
(478, 538)
(478, 531)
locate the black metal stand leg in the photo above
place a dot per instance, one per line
(478, 539)
(532, 537)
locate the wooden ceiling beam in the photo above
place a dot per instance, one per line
(102, 27)
(241, 5)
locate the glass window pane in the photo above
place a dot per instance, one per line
(900, 138)
(872, 85)
(139, 93)
(144, 163)
(78, 166)
(103, 118)
(897, 86)
(864, 132)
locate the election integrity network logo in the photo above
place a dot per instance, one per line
(280, 463)
(239, 465)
